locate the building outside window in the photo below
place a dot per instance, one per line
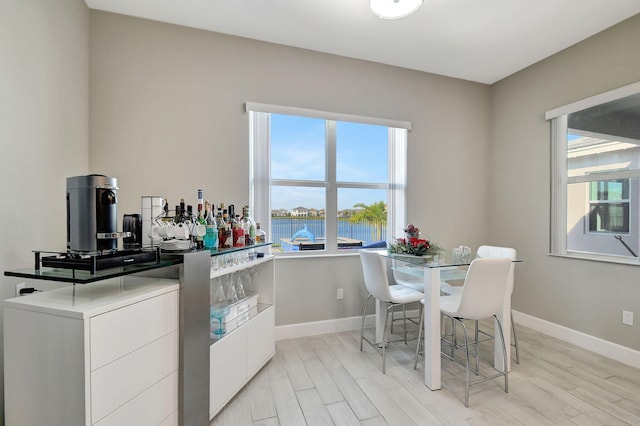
(609, 206)
(595, 177)
(325, 181)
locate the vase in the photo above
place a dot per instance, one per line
(412, 258)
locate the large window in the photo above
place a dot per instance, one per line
(324, 181)
(596, 177)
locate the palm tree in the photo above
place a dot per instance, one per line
(375, 214)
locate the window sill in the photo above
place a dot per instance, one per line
(297, 255)
(599, 258)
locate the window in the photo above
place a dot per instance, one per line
(596, 177)
(609, 206)
(323, 181)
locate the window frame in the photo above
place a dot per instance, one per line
(560, 180)
(260, 181)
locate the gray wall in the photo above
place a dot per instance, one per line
(583, 295)
(167, 117)
(44, 125)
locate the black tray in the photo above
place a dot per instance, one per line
(93, 263)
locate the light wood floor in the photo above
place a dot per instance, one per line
(325, 380)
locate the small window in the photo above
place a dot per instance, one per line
(609, 206)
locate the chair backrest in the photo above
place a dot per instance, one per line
(507, 252)
(375, 275)
(494, 251)
(485, 288)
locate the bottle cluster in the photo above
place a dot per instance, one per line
(224, 228)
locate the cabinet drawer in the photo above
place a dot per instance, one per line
(228, 370)
(260, 339)
(154, 406)
(117, 333)
(119, 382)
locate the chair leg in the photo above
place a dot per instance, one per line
(362, 325)
(384, 339)
(466, 348)
(515, 339)
(477, 354)
(504, 354)
(404, 314)
(454, 339)
(393, 310)
(420, 327)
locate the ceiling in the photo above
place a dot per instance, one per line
(476, 40)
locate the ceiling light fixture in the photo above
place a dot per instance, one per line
(393, 9)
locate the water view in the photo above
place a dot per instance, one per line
(286, 227)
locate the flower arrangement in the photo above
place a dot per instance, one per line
(413, 245)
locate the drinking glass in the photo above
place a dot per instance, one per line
(219, 312)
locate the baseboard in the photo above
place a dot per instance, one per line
(595, 344)
(610, 350)
(315, 328)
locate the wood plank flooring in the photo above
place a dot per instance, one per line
(326, 380)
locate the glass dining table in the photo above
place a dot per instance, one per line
(431, 273)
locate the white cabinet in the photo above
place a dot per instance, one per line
(250, 338)
(105, 353)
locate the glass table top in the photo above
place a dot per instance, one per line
(440, 261)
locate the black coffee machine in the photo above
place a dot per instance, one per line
(92, 214)
(92, 238)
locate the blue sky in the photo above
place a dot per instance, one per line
(298, 152)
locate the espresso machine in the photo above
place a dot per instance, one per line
(92, 236)
(92, 214)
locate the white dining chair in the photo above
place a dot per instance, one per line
(377, 283)
(485, 288)
(486, 251)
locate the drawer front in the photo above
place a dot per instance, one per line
(260, 339)
(119, 382)
(117, 333)
(157, 405)
(228, 370)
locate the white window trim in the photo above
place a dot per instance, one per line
(259, 173)
(559, 179)
(325, 115)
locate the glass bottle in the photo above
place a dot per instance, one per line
(198, 227)
(238, 232)
(180, 212)
(225, 233)
(200, 200)
(261, 236)
(249, 226)
(211, 236)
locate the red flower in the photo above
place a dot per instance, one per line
(413, 245)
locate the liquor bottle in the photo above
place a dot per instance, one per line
(225, 234)
(238, 232)
(200, 200)
(249, 226)
(200, 223)
(211, 237)
(180, 212)
(261, 236)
